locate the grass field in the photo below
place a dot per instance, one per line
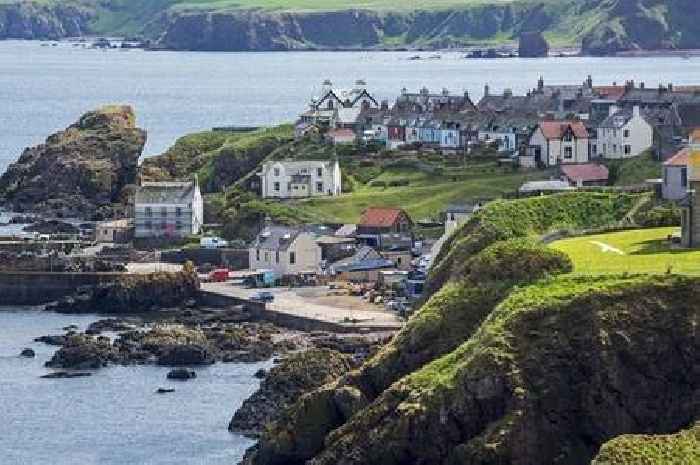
(636, 251)
(425, 197)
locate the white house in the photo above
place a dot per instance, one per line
(557, 142)
(623, 134)
(168, 209)
(455, 215)
(675, 176)
(336, 107)
(504, 137)
(299, 179)
(285, 250)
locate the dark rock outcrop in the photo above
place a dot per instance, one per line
(285, 383)
(181, 374)
(133, 293)
(27, 352)
(83, 353)
(81, 171)
(67, 374)
(185, 355)
(533, 45)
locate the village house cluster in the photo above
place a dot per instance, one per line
(548, 126)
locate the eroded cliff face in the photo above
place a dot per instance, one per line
(628, 25)
(30, 20)
(81, 171)
(262, 30)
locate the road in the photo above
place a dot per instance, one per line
(314, 303)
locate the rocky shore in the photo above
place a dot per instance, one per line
(84, 171)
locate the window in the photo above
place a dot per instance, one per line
(605, 148)
(628, 149)
(666, 176)
(594, 149)
(163, 211)
(277, 171)
(149, 211)
(614, 148)
(684, 176)
(276, 186)
(292, 258)
(149, 225)
(567, 136)
(178, 225)
(267, 256)
(627, 133)
(257, 254)
(178, 211)
(568, 153)
(277, 256)
(319, 172)
(319, 187)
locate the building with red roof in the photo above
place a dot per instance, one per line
(385, 227)
(587, 174)
(557, 142)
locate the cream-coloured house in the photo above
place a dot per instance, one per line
(557, 142)
(300, 179)
(623, 134)
(285, 250)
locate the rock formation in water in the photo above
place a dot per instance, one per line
(533, 45)
(295, 375)
(81, 171)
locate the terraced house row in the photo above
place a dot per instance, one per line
(549, 125)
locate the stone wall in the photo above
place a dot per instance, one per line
(38, 288)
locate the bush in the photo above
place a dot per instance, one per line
(399, 182)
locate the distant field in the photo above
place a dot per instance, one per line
(637, 251)
(426, 196)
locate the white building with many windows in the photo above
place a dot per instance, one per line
(623, 134)
(299, 179)
(168, 209)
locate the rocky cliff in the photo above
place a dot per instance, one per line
(509, 361)
(81, 171)
(628, 25)
(34, 20)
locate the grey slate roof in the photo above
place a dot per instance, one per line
(276, 238)
(170, 192)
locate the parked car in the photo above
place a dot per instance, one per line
(218, 276)
(263, 296)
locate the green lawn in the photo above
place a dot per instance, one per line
(426, 196)
(636, 251)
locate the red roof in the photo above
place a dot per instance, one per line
(586, 172)
(610, 92)
(381, 217)
(556, 129)
(679, 159)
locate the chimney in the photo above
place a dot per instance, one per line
(670, 87)
(540, 84)
(486, 90)
(508, 93)
(635, 111)
(642, 85)
(385, 105)
(589, 81)
(445, 92)
(404, 91)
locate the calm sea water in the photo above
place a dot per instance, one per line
(43, 89)
(113, 417)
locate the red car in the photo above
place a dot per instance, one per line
(218, 276)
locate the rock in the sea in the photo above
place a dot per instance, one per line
(83, 353)
(78, 172)
(67, 374)
(296, 374)
(184, 355)
(182, 374)
(57, 340)
(533, 45)
(27, 352)
(164, 390)
(261, 373)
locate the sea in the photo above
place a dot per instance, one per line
(115, 417)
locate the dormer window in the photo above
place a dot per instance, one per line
(276, 171)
